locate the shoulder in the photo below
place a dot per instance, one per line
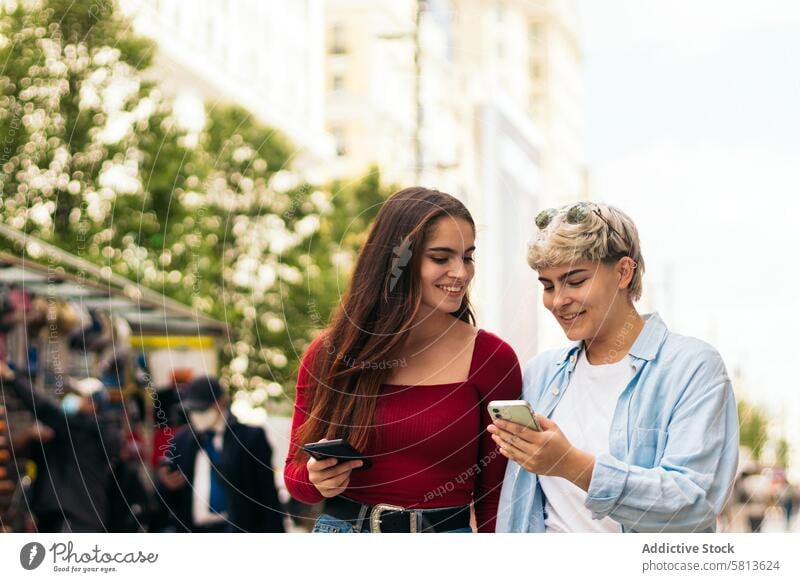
(495, 367)
(248, 438)
(247, 432)
(319, 347)
(183, 436)
(494, 363)
(690, 355)
(490, 347)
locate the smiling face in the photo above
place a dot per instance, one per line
(447, 265)
(586, 297)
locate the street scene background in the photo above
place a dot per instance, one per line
(184, 191)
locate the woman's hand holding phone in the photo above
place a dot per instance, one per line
(545, 451)
(330, 476)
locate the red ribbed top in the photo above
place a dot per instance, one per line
(431, 447)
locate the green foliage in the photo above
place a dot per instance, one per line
(94, 162)
(752, 428)
(782, 451)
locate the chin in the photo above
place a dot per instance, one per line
(575, 334)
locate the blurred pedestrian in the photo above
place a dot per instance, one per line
(218, 476)
(70, 493)
(787, 497)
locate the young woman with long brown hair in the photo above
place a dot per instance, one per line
(404, 376)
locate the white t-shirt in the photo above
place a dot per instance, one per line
(584, 416)
(201, 487)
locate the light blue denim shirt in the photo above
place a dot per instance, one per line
(673, 440)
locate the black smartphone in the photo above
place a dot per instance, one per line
(337, 449)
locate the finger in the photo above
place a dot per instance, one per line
(320, 464)
(505, 435)
(318, 477)
(338, 490)
(335, 483)
(546, 423)
(341, 481)
(340, 469)
(511, 447)
(511, 455)
(514, 428)
(510, 427)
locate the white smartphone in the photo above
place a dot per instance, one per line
(518, 411)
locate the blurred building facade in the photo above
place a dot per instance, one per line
(520, 64)
(500, 126)
(369, 109)
(265, 55)
(479, 98)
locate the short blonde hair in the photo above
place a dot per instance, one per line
(587, 231)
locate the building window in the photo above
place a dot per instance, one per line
(536, 69)
(501, 11)
(535, 33)
(339, 141)
(338, 44)
(338, 82)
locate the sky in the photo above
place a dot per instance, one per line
(693, 129)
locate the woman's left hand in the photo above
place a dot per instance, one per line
(545, 452)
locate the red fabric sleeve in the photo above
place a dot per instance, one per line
(498, 378)
(295, 474)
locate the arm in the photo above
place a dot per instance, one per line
(22, 440)
(295, 473)
(503, 382)
(44, 408)
(688, 489)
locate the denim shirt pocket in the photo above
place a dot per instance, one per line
(646, 446)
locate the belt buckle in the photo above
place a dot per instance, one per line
(378, 509)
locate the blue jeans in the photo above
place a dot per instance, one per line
(329, 524)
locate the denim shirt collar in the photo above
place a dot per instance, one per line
(645, 348)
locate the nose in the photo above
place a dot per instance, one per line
(459, 271)
(561, 299)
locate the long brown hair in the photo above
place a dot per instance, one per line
(374, 317)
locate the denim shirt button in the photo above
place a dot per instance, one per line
(555, 391)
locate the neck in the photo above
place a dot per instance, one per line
(429, 325)
(616, 339)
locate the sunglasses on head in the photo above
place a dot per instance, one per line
(577, 214)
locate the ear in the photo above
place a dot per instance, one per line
(625, 269)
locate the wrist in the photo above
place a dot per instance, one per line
(579, 468)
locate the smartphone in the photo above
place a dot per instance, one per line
(337, 449)
(518, 411)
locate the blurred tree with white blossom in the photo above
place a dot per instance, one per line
(94, 160)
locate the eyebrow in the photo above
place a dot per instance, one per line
(565, 275)
(449, 250)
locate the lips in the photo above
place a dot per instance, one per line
(452, 289)
(571, 317)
